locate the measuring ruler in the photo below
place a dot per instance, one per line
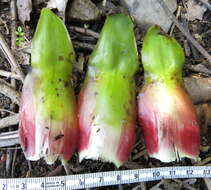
(81, 181)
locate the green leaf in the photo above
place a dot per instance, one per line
(21, 34)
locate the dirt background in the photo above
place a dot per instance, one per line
(13, 162)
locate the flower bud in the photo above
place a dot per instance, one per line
(48, 122)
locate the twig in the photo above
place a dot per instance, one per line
(8, 121)
(56, 172)
(133, 165)
(10, 92)
(208, 183)
(104, 3)
(177, 16)
(187, 34)
(5, 25)
(85, 31)
(8, 111)
(9, 75)
(206, 3)
(120, 187)
(13, 13)
(199, 68)
(8, 162)
(8, 54)
(29, 165)
(66, 167)
(75, 167)
(155, 187)
(140, 154)
(142, 186)
(82, 45)
(9, 138)
(13, 26)
(203, 162)
(13, 161)
(11, 148)
(206, 32)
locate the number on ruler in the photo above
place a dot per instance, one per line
(206, 172)
(81, 182)
(118, 177)
(136, 176)
(156, 174)
(101, 179)
(60, 183)
(42, 185)
(4, 186)
(189, 172)
(23, 186)
(172, 172)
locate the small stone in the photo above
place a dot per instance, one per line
(84, 10)
(24, 10)
(195, 10)
(149, 12)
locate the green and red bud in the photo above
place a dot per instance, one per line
(166, 113)
(48, 122)
(107, 108)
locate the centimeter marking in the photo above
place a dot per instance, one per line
(99, 179)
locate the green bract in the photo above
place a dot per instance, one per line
(162, 56)
(116, 48)
(113, 64)
(53, 57)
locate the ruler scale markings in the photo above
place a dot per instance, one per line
(181, 172)
(3, 184)
(93, 180)
(198, 172)
(112, 178)
(55, 183)
(75, 182)
(35, 184)
(16, 184)
(172, 172)
(81, 181)
(164, 173)
(129, 176)
(70, 182)
(145, 174)
(207, 171)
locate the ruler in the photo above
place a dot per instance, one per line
(81, 181)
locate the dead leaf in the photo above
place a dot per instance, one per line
(24, 10)
(195, 10)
